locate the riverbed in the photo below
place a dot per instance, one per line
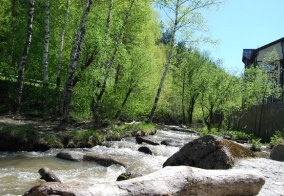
(19, 170)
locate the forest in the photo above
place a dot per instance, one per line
(117, 60)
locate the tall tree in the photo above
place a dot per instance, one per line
(76, 50)
(109, 64)
(46, 43)
(183, 15)
(21, 66)
(58, 77)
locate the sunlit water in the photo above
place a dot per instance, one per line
(19, 171)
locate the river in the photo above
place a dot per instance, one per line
(19, 170)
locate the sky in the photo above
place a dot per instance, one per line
(243, 24)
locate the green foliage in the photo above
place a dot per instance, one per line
(276, 138)
(25, 132)
(86, 135)
(255, 144)
(145, 128)
(239, 135)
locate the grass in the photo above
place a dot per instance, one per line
(31, 135)
(276, 138)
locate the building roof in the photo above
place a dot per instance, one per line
(270, 44)
(249, 54)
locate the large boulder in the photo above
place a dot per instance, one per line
(174, 181)
(209, 152)
(79, 156)
(277, 153)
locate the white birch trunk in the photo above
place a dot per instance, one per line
(58, 78)
(46, 43)
(169, 60)
(109, 64)
(77, 46)
(21, 67)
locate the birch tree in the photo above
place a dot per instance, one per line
(183, 18)
(21, 66)
(76, 50)
(58, 77)
(109, 64)
(46, 43)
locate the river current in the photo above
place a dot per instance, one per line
(19, 170)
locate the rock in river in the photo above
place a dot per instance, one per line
(181, 180)
(209, 152)
(277, 153)
(79, 156)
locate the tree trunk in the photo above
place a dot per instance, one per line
(46, 44)
(21, 67)
(109, 65)
(58, 78)
(191, 109)
(77, 46)
(152, 113)
(118, 113)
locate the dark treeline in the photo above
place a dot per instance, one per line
(114, 60)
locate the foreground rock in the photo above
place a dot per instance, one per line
(273, 172)
(277, 153)
(182, 180)
(209, 152)
(79, 156)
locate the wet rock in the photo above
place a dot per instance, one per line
(47, 175)
(277, 153)
(170, 142)
(102, 160)
(141, 140)
(79, 156)
(182, 180)
(181, 129)
(71, 155)
(145, 150)
(128, 175)
(209, 152)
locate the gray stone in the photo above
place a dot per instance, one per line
(71, 155)
(141, 140)
(47, 175)
(128, 175)
(79, 156)
(174, 181)
(145, 150)
(277, 153)
(209, 152)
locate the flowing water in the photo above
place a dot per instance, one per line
(19, 170)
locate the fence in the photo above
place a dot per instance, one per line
(262, 120)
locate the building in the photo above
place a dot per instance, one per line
(254, 57)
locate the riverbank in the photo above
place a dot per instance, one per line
(21, 133)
